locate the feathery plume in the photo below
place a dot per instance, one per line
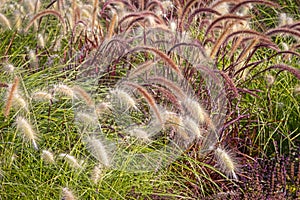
(297, 89)
(269, 79)
(26, 128)
(41, 96)
(68, 194)
(19, 102)
(102, 107)
(48, 157)
(71, 160)
(41, 41)
(4, 21)
(195, 109)
(191, 126)
(124, 97)
(98, 150)
(83, 95)
(226, 163)
(140, 134)
(9, 68)
(86, 118)
(96, 174)
(63, 90)
(149, 98)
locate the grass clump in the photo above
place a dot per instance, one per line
(149, 99)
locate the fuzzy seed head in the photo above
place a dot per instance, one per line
(48, 157)
(195, 110)
(124, 98)
(297, 90)
(86, 118)
(41, 41)
(98, 150)
(9, 68)
(192, 127)
(96, 174)
(63, 90)
(26, 128)
(19, 102)
(139, 134)
(71, 160)
(68, 194)
(41, 96)
(270, 79)
(226, 163)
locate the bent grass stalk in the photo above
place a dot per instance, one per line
(149, 98)
(11, 95)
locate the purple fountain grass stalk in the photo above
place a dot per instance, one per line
(218, 2)
(111, 26)
(220, 40)
(141, 69)
(26, 128)
(153, 3)
(11, 94)
(199, 11)
(230, 83)
(170, 96)
(42, 14)
(283, 30)
(149, 98)
(142, 14)
(265, 2)
(224, 17)
(170, 85)
(235, 46)
(294, 71)
(185, 12)
(246, 51)
(162, 55)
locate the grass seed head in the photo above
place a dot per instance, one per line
(68, 194)
(65, 90)
(71, 160)
(124, 97)
(226, 162)
(98, 150)
(96, 174)
(41, 96)
(48, 157)
(26, 128)
(140, 134)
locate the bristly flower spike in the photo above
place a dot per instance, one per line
(226, 162)
(26, 128)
